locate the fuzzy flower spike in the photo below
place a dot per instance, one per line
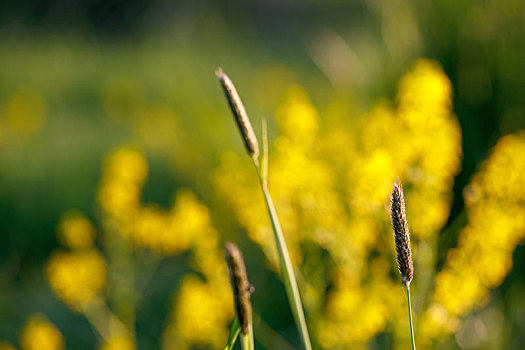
(239, 112)
(242, 289)
(402, 243)
(401, 234)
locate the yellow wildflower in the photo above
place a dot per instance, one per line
(425, 88)
(40, 334)
(189, 220)
(76, 277)
(124, 173)
(172, 231)
(75, 230)
(201, 315)
(431, 139)
(496, 224)
(298, 117)
(150, 227)
(202, 310)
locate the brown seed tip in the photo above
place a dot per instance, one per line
(239, 112)
(242, 289)
(401, 234)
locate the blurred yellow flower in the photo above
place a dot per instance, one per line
(40, 334)
(124, 173)
(75, 230)
(150, 226)
(76, 277)
(425, 88)
(172, 231)
(496, 224)
(201, 314)
(202, 310)
(298, 117)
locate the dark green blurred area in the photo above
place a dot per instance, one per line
(162, 55)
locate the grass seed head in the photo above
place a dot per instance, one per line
(401, 234)
(242, 289)
(239, 112)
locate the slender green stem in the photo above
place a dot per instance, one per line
(247, 340)
(264, 170)
(103, 320)
(410, 317)
(234, 333)
(150, 262)
(121, 276)
(252, 343)
(290, 282)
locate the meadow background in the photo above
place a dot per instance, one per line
(112, 109)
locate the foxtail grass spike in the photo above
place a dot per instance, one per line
(242, 289)
(401, 234)
(402, 243)
(239, 112)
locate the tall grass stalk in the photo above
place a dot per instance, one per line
(407, 285)
(247, 339)
(290, 282)
(402, 244)
(252, 148)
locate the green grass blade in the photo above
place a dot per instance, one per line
(234, 333)
(264, 165)
(410, 318)
(290, 283)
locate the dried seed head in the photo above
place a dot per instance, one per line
(242, 289)
(239, 112)
(401, 234)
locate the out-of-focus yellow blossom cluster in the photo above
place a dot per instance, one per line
(332, 187)
(25, 113)
(125, 171)
(431, 143)
(76, 231)
(77, 275)
(203, 305)
(185, 226)
(202, 311)
(495, 204)
(175, 230)
(40, 334)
